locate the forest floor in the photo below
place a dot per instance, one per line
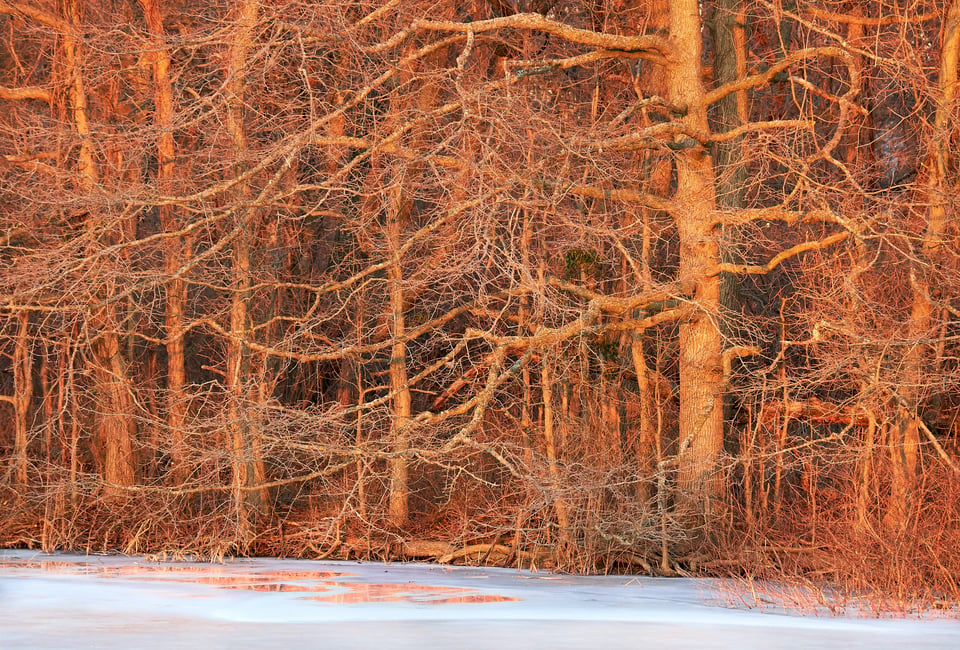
(75, 601)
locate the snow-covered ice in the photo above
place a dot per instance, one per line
(73, 601)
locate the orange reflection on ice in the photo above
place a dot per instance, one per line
(478, 598)
(278, 586)
(224, 580)
(148, 571)
(252, 580)
(213, 575)
(361, 592)
(44, 565)
(358, 592)
(305, 575)
(318, 582)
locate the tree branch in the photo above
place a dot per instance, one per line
(749, 269)
(39, 15)
(27, 92)
(867, 21)
(769, 125)
(762, 78)
(654, 48)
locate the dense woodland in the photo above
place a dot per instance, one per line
(600, 285)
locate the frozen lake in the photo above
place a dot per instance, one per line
(73, 601)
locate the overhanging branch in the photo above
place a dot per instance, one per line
(26, 92)
(765, 77)
(751, 269)
(654, 48)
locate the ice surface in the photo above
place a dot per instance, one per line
(70, 601)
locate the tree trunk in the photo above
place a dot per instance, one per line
(730, 157)
(549, 437)
(729, 64)
(248, 468)
(115, 426)
(905, 436)
(659, 170)
(399, 469)
(173, 253)
(23, 395)
(701, 373)
(646, 435)
(397, 216)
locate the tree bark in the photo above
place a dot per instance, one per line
(248, 468)
(659, 170)
(549, 437)
(399, 506)
(701, 374)
(905, 434)
(115, 424)
(176, 294)
(23, 395)
(398, 208)
(729, 64)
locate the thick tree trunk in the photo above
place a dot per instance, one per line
(701, 373)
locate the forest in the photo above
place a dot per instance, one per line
(658, 286)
